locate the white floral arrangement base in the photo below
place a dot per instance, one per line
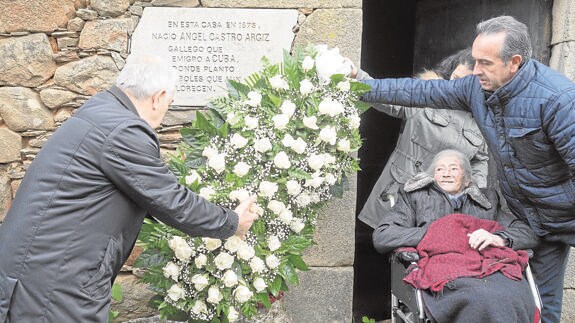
(286, 135)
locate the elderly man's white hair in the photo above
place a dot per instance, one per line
(146, 75)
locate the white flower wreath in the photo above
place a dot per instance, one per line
(285, 135)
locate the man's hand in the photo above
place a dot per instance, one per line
(247, 212)
(481, 239)
(353, 70)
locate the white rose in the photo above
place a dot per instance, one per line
(343, 86)
(277, 82)
(288, 140)
(199, 307)
(262, 145)
(297, 225)
(328, 134)
(315, 162)
(224, 261)
(329, 62)
(259, 284)
(281, 160)
(272, 261)
(181, 248)
(306, 87)
(211, 243)
(241, 169)
(354, 121)
(245, 251)
(193, 177)
(268, 189)
(209, 152)
(233, 243)
(214, 295)
(293, 187)
(307, 63)
(254, 99)
(171, 270)
(207, 192)
(274, 243)
(201, 260)
(242, 294)
(200, 282)
(238, 141)
(239, 195)
(276, 206)
(251, 122)
(310, 122)
(257, 265)
(330, 107)
(328, 159)
(288, 108)
(218, 162)
(230, 279)
(299, 146)
(314, 198)
(285, 216)
(233, 315)
(176, 292)
(314, 182)
(343, 145)
(280, 121)
(330, 179)
(233, 119)
(303, 200)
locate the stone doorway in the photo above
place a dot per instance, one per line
(399, 39)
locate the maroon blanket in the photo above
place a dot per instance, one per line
(445, 254)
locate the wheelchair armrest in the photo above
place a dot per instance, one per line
(405, 257)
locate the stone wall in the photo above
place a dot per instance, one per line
(55, 54)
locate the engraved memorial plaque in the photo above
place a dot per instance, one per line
(207, 46)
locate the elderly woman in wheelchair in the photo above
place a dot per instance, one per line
(470, 258)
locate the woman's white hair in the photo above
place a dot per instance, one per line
(146, 75)
(463, 162)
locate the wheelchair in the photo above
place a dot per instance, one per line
(407, 302)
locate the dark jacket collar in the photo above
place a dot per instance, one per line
(423, 180)
(517, 84)
(123, 98)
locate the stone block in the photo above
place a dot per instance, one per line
(282, 3)
(568, 314)
(563, 58)
(26, 61)
(178, 117)
(110, 8)
(67, 42)
(135, 300)
(323, 295)
(22, 109)
(110, 34)
(5, 195)
(54, 98)
(76, 24)
(563, 22)
(570, 272)
(340, 28)
(35, 16)
(87, 76)
(335, 231)
(10, 145)
(176, 3)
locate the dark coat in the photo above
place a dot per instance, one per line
(421, 202)
(79, 209)
(529, 125)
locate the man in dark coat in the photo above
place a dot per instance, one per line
(79, 209)
(526, 112)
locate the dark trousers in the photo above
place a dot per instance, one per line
(548, 266)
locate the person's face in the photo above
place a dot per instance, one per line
(460, 71)
(492, 71)
(161, 102)
(449, 175)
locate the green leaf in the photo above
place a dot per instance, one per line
(275, 100)
(288, 273)
(264, 298)
(359, 88)
(150, 257)
(237, 89)
(117, 292)
(112, 315)
(336, 78)
(297, 262)
(299, 174)
(276, 285)
(362, 106)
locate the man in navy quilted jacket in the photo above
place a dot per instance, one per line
(526, 112)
